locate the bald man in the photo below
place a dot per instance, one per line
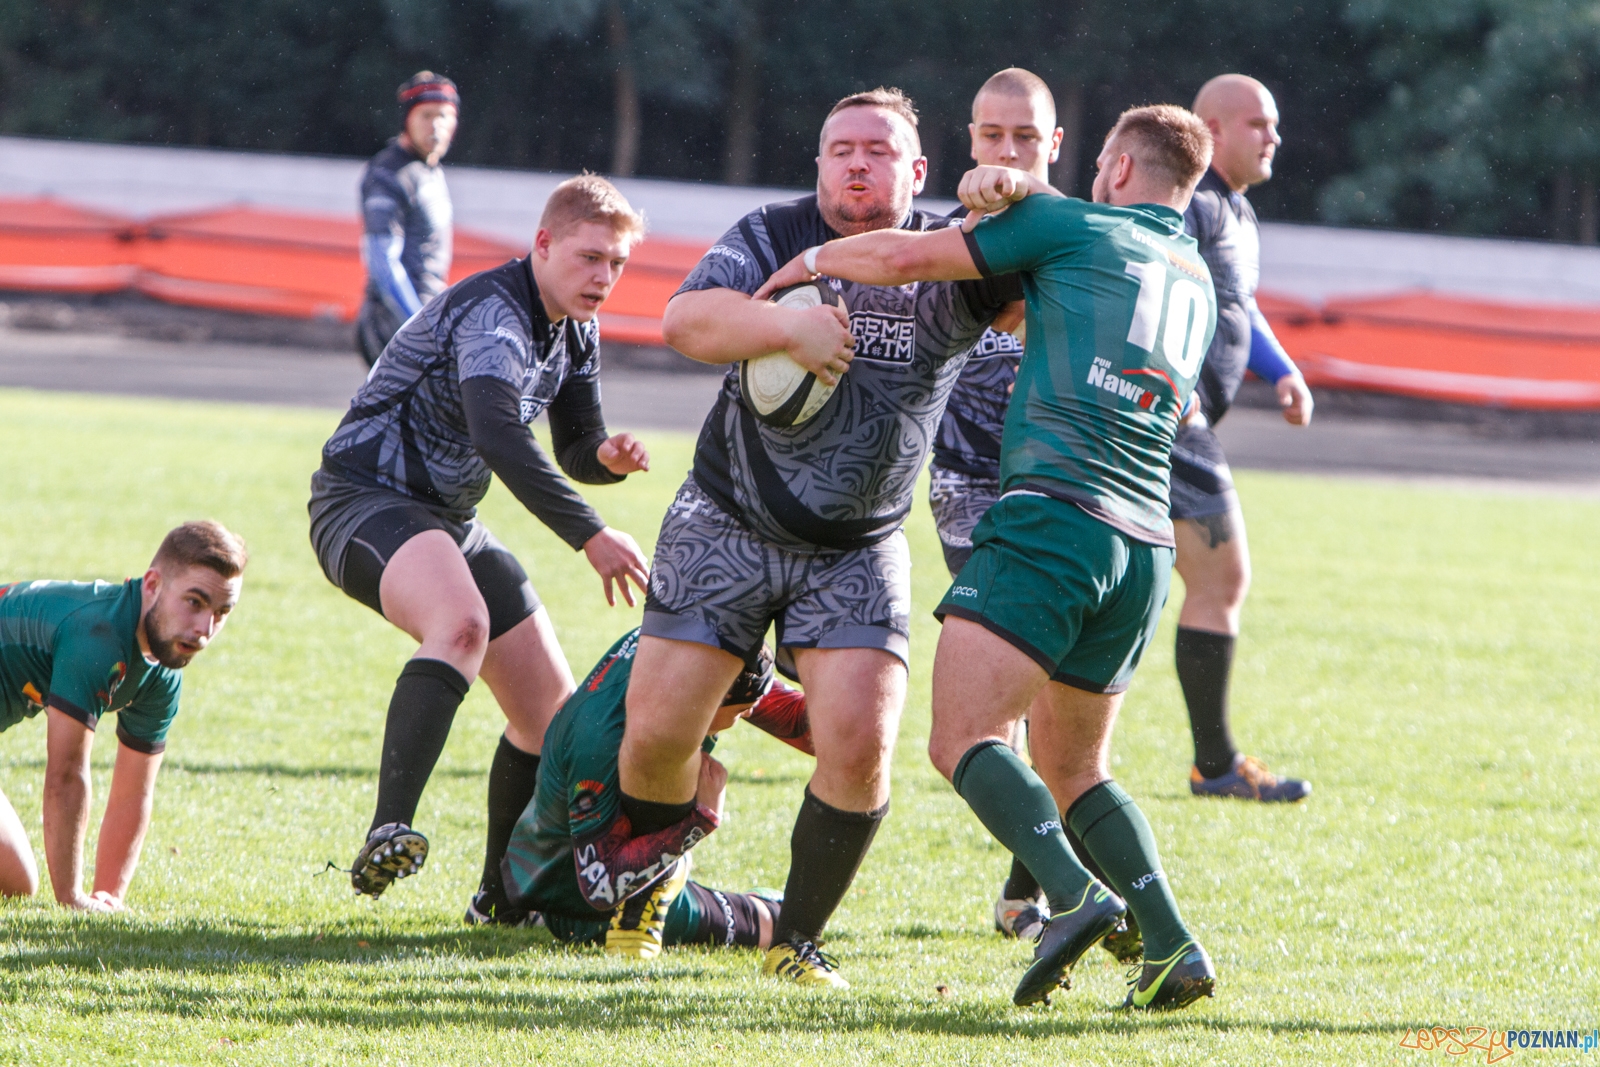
(1213, 554)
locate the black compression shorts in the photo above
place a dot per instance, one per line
(1202, 484)
(500, 579)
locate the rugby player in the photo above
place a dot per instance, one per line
(84, 650)
(393, 509)
(574, 858)
(1013, 125)
(406, 213)
(800, 526)
(1213, 554)
(1070, 568)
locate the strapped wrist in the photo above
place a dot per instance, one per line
(809, 259)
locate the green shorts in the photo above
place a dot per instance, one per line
(1081, 599)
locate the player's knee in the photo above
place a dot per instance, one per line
(945, 751)
(468, 633)
(19, 880)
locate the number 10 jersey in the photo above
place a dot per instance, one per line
(1120, 313)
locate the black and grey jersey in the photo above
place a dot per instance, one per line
(1224, 224)
(405, 203)
(450, 399)
(844, 479)
(975, 417)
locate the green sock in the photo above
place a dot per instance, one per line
(1113, 828)
(1017, 808)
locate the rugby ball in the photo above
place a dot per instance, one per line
(776, 389)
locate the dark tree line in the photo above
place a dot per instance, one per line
(1459, 115)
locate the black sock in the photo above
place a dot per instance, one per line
(648, 816)
(825, 851)
(1020, 883)
(1204, 660)
(423, 706)
(513, 779)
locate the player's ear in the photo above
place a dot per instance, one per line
(542, 242)
(151, 587)
(972, 134)
(919, 174)
(1055, 145)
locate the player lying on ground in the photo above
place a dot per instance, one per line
(1070, 568)
(81, 651)
(393, 509)
(1213, 553)
(1013, 125)
(800, 525)
(574, 856)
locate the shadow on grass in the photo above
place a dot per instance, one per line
(413, 981)
(285, 770)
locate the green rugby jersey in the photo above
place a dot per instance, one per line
(1120, 314)
(578, 791)
(75, 646)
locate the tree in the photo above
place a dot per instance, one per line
(1491, 125)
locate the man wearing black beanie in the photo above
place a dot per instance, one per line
(406, 213)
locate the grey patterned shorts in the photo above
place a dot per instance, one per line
(959, 500)
(715, 583)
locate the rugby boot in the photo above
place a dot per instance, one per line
(638, 927)
(803, 963)
(482, 911)
(1249, 780)
(1175, 982)
(393, 850)
(1019, 918)
(1065, 938)
(1125, 943)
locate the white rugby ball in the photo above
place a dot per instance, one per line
(776, 389)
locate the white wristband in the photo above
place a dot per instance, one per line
(810, 259)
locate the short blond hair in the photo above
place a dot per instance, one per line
(1168, 139)
(203, 544)
(1014, 81)
(590, 198)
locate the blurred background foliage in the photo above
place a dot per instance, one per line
(1467, 116)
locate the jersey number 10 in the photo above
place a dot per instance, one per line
(1183, 342)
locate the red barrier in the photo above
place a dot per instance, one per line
(1447, 348)
(283, 263)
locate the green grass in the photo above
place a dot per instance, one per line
(1427, 657)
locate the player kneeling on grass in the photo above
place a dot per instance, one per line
(1070, 567)
(574, 857)
(83, 650)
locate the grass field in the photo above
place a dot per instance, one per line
(1430, 658)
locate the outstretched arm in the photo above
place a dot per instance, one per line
(725, 326)
(66, 808)
(883, 257)
(127, 818)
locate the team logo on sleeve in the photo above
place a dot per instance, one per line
(586, 794)
(886, 338)
(31, 693)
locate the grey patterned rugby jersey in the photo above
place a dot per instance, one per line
(406, 429)
(845, 478)
(975, 418)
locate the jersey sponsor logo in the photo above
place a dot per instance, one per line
(1101, 378)
(586, 794)
(994, 343)
(1145, 879)
(885, 338)
(114, 679)
(529, 407)
(731, 253)
(1188, 266)
(963, 590)
(1044, 829)
(510, 338)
